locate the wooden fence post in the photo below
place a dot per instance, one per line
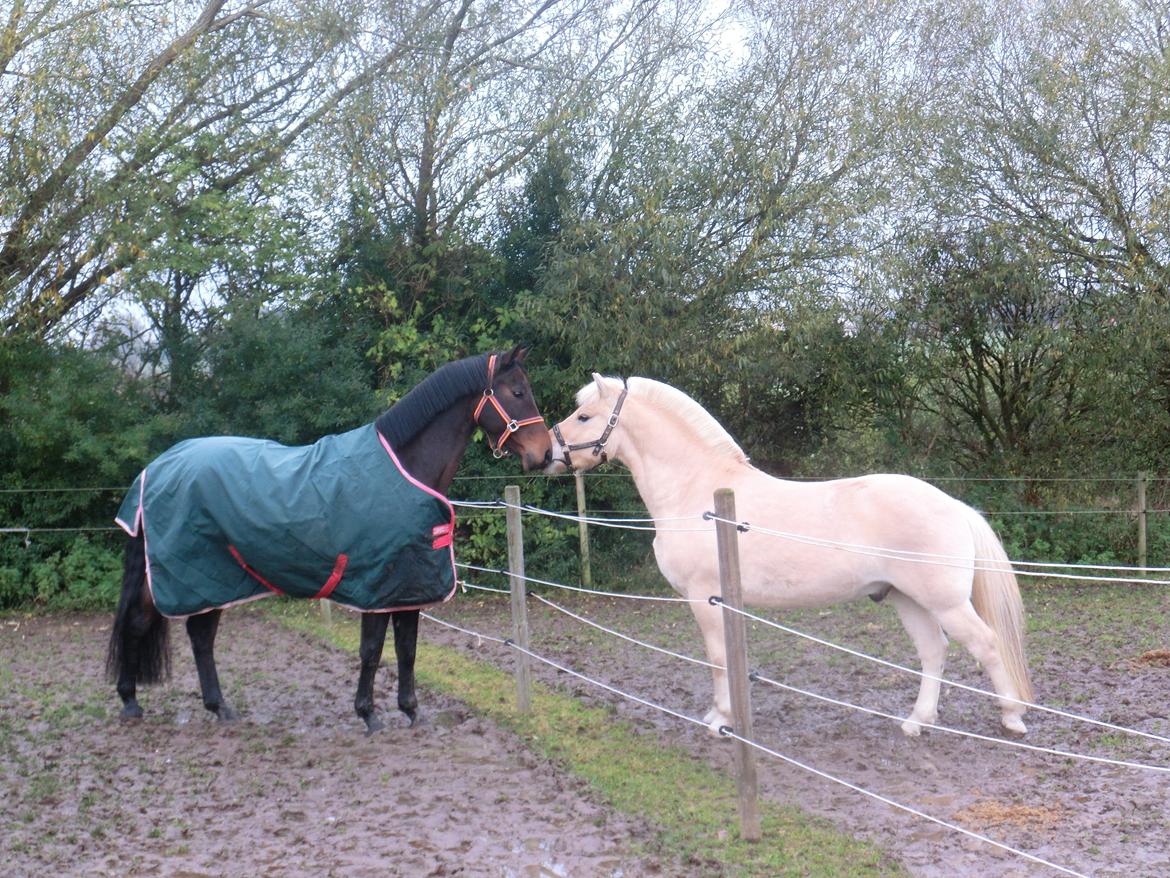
(735, 639)
(1141, 516)
(519, 596)
(583, 528)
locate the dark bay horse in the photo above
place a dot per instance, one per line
(360, 518)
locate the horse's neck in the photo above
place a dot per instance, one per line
(673, 473)
(434, 454)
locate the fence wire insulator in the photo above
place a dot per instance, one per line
(715, 600)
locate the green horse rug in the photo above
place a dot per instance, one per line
(228, 520)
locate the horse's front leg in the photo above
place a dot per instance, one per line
(373, 638)
(710, 619)
(202, 629)
(405, 647)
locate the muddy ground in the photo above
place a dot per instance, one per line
(296, 789)
(1096, 651)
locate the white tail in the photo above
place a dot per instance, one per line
(996, 597)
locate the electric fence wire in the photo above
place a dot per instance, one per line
(727, 732)
(756, 676)
(715, 599)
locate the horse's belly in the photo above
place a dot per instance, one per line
(795, 576)
(770, 590)
(691, 567)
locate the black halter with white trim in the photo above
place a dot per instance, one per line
(598, 445)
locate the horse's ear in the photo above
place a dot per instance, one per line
(519, 353)
(599, 380)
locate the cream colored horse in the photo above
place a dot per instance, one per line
(939, 562)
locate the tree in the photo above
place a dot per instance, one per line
(715, 224)
(1066, 130)
(106, 152)
(1010, 357)
(289, 375)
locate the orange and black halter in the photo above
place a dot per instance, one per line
(511, 425)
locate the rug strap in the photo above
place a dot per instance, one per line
(334, 578)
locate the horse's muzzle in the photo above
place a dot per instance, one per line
(554, 464)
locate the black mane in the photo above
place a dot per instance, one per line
(432, 396)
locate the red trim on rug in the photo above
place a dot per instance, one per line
(240, 560)
(334, 578)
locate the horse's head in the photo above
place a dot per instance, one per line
(508, 414)
(591, 434)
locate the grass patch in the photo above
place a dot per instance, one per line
(693, 805)
(1116, 619)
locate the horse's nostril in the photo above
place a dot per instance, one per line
(548, 457)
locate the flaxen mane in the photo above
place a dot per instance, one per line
(672, 401)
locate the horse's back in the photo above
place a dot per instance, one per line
(819, 543)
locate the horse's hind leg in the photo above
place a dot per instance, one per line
(373, 639)
(964, 624)
(931, 644)
(138, 650)
(202, 629)
(405, 647)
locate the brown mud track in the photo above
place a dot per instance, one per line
(1093, 651)
(297, 789)
(293, 789)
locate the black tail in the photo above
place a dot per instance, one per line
(138, 643)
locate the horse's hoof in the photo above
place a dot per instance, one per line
(715, 722)
(1015, 725)
(226, 715)
(131, 711)
(911, 729)
(374, 724)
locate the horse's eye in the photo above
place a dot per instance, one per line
(582, 418)
(518, 393)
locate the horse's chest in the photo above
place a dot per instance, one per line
(684, 561)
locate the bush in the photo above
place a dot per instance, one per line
(83, 574)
